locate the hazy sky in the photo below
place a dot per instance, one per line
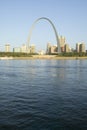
(17, 16)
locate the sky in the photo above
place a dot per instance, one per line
(17, 16)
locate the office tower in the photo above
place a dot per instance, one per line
(82, 47)
(66, 48)
(77, 47)
(54, 49)
(7, 48)
(62, 41)
(48, 51)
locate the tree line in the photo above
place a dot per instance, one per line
(14, 54)
(73, 54)
(20, 54)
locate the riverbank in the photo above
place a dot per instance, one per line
(43, 57)
(48, 57)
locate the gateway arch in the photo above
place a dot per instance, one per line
(54, 29)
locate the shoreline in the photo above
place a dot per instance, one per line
(43, 57)
(50, 58)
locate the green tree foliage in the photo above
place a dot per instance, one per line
(73, 54)
(14, 54)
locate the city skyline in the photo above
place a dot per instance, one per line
(50, 48)
(69, 18)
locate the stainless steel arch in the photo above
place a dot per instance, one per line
(55, 31)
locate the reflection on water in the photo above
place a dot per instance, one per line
(43, 94)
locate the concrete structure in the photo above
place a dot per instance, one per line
(7, 48)
(32, 48)
(62, 41)
(17, 49)
(24, 48)
(54, 49)
(51, 49)
(77, 47)
(55, 31)
(67, 49)
(82, 47)
(48, 51)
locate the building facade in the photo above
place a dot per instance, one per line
(24, 48)
(32, 49)
(77, 47)
(82, 47)
(48, 51)
(17, 49)
(66, 48)
(7, 48)
(54, 49)
(62, 41)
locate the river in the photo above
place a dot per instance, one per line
(43, 94)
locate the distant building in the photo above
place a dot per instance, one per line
(48, 51)
(54, 49)
(51, 49)
(24, 48)
(82, 47)
(42, 52)
(62, 41)
(77, 47)
(7, 48)
(17, 49)
(73, 50)
(67, 49)
(32, 49)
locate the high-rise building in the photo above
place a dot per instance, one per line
(54, 49)
(77, 47)
(48, 51)
(7, 48)
(62, 41)
(67, 49)
(82, 47)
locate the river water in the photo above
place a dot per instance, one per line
(43, 94)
